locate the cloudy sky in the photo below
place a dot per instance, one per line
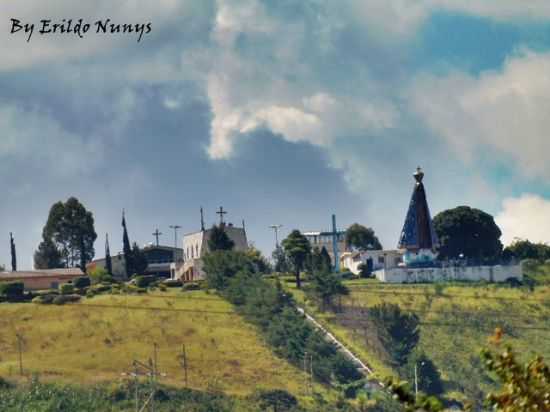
(282, 111)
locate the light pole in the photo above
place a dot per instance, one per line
(276, 230)
(175, 227)
(416, 378)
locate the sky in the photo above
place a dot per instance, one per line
(283, 112)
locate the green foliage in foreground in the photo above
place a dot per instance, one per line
(524, 387)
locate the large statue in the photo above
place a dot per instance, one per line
(418, 236)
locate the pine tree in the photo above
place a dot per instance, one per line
(139, 260)
(219, 240)
(126, 249)
(108, 262)
(297, 248)
(13, 254)
(47, 256)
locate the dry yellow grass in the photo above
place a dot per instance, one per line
(97, 340)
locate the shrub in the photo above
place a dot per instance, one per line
(162, 287)
(173, 283)
(191, 286)
(429, 379)
(44, 299)
(100, 275)
(82, 282)
(62, 299)
(144, 281)
(66, 289)
(276, 399)
(12, 290)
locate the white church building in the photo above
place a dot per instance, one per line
(195, 246)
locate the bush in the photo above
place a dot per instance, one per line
(100, 275)
(347, 275)
(144, 281)
(191, 286)
(173, 283)
(66, 289)
(429, 379)
(82, 282)
(44, 299)
(62, 299)
(12, 291)
(275, 399)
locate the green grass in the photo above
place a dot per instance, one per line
(97, 340)
(456, 321)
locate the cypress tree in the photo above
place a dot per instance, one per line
(108, 262)
(13, 254)
(126, 248)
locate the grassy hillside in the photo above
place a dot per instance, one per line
(455, 323)
(98, 339)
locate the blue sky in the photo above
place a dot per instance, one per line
(281, 111)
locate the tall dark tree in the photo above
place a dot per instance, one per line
(47, 256)
(139, 260)
(362, 238)
(297, 248)
(524, 249)
(108, 262)
(219, 240)
(469, 232)
(395, 333)
(70, 227)
(127, 248)
(13, 254)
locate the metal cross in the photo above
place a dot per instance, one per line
(221, 212)
(157, 234)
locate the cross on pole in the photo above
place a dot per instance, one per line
(156, 234)
(221, 212)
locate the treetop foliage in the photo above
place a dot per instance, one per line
(469, 232)
(219, 240)
(362, 238)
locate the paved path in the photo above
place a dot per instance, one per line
(361, 366)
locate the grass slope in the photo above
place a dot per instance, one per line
(98, 339)
(456, 321)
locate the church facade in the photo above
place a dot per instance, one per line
(195, 246)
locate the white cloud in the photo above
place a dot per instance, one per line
(505, 111)
(397, 19)
(525, 217)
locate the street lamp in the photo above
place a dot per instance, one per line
(276, 230)
(416, 378)
(175, 228)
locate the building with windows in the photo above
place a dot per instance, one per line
(324, 239)
(43, 278)
(159, 259)
(195, 245)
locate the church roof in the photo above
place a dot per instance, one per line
(418, 231)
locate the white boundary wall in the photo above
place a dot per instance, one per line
(497, 273)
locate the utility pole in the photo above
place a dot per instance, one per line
(335, 245)
(20, 350)
(416, 378)
(276, 230)
(175, 227)
(183, 363)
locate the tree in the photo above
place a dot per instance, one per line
(325, 286)
(362, 238)
(47, 256)
(297, 248)
(468, 232)
(219, 240)
(126, 248)
(13, 254)
(395, 333)
(282, 265)
(139, 260)
(70, 227)
(258, 260)
(524, 249)
(428, 377)
(108, 261)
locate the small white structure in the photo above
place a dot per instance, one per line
(195, 246)
(379, 259)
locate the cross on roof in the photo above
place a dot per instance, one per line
(221, 212)
(157, 234)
